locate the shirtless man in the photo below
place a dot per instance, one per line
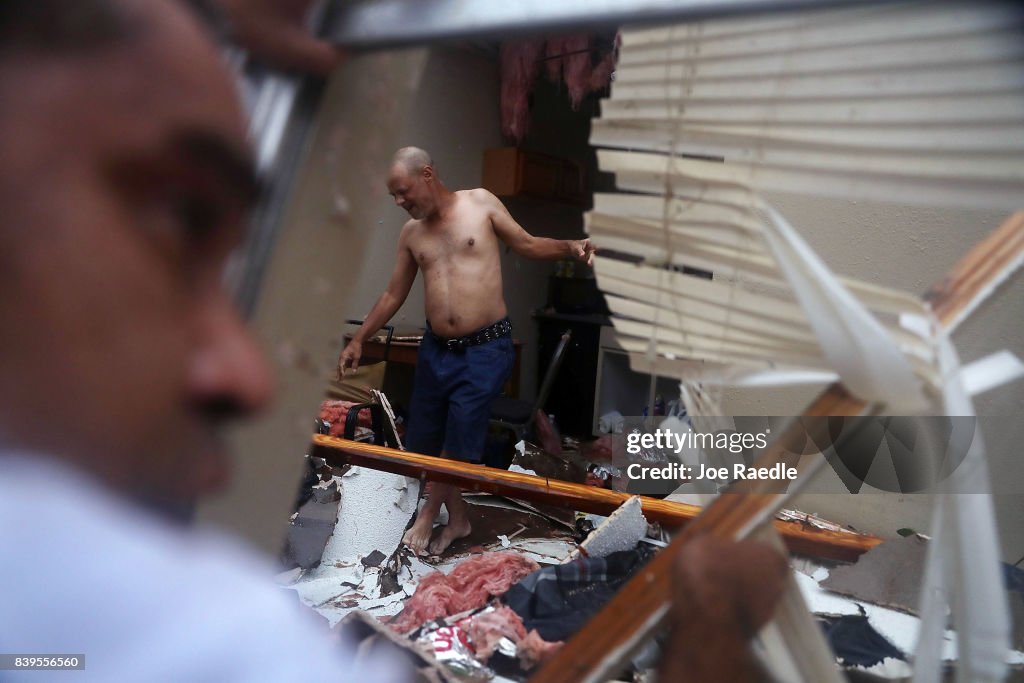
(466, 355)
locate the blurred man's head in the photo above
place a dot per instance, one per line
(413, 183)
(124, 181)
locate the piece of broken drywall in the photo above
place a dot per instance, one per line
(374, 512)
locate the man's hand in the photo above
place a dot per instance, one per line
(349, 359)
(275, 31)
(583, 250)
(723, 593)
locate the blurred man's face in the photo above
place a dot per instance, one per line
(123, 186)
(411, 191)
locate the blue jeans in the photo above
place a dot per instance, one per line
(452, 395)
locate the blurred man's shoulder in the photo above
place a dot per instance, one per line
(90, 573)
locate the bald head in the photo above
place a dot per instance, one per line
(413, 159)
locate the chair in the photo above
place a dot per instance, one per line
(517, 415)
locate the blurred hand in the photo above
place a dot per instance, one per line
(583, 250)
(275, 31)
(349, 359)
(723, 593)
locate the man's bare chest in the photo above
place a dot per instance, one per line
(453, 244)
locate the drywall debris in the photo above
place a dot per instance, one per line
(621, 531)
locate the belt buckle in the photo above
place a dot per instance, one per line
(457, 345)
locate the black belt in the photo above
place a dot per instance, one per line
(502, 328)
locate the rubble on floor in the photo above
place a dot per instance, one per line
(888, 575)
(899, 629)
(504, 598)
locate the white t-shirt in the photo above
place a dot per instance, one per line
(84, 572)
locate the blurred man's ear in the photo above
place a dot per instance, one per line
(428, 172)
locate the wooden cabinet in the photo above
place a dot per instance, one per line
(512, 172)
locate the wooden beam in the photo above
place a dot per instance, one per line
(978, 273)
(638, 610)
(799, 538)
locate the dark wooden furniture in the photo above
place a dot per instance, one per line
(571, 399)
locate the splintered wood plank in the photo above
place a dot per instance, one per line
(811, 541)
(638, 610)
(978, 273)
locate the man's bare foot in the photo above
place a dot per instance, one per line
(449, 533)
(418, 535)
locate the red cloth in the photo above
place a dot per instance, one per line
(336, 412)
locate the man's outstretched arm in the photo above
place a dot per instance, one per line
(389, 302)
(530, 246)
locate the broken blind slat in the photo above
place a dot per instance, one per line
(740, 311)
(714, 319)
(944, 191)
(862, 59)
(711, 312)
(766, 23)
(927, 166)
(712, 292)
(766, 335)
(638, 336)
(997, 139)
(762, 373)
(758, 272)
(704, 340)
(990, 76)
(947, 109)
(879, 29)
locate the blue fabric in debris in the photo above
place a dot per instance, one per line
(856, 643)
(558, 600)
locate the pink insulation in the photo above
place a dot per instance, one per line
(485, 630)
(469, 586)
(568, 59)
(553, 51)
(533, 650)
(519, 62)
(576, 67)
